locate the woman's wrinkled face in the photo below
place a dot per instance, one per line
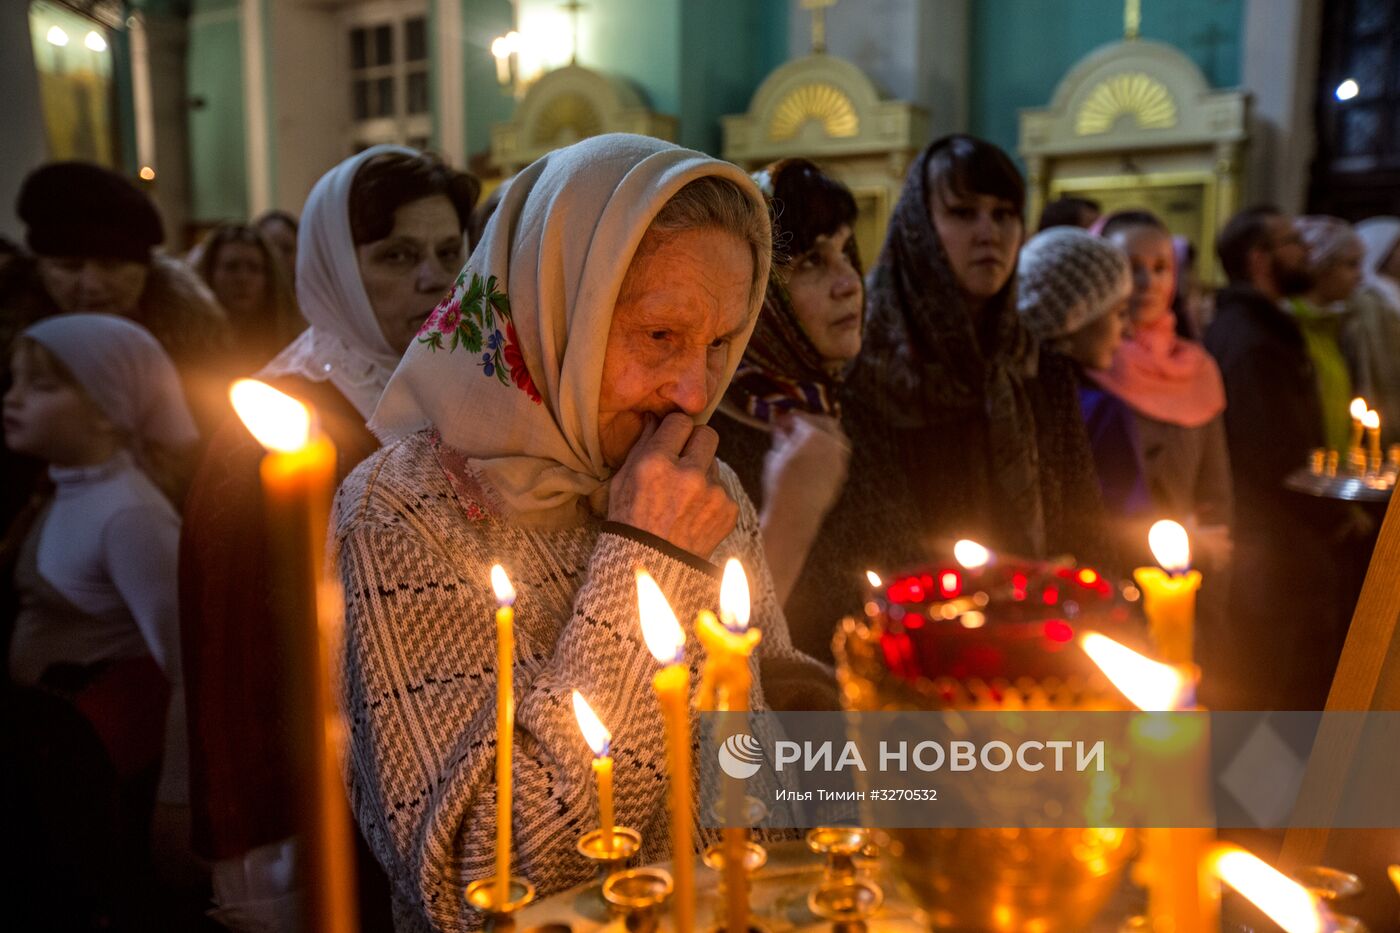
(827, 294)
(1093, 345)
(93, 286)
(684, 302)
(239, 278)
(1340, 276)
(1154, 272)
(981, 234)
(47, 416)
(406, 273)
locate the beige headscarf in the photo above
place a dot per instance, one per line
(509, 367)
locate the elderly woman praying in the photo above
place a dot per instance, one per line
(550, 417)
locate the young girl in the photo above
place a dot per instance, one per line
(97, 399)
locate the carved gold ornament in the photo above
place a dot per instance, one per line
(822, 102)
(568, 111)
(1131, 94)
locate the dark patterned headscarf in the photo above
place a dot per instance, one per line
(923, 362)
(782, 371)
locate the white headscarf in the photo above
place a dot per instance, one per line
(1379, 237)
(125, 371)
(344, 342)
(509, 367)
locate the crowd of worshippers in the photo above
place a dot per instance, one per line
(630, 354)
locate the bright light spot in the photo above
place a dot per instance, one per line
(505, 593)
(503, 46)
(874, 579)
(1149, 685)
(660, 629)
(949, 583)
(1371, 420)
(147, 173)
(1358, 408)
(1285, 901)
(1088, 577)
(1058, 630)
(1170, 546)
(57, 36)
(95, 42)
(1348, 89)
(277, 420)
(594, 732)
(734, 596)
(971, 555)
(973, 619)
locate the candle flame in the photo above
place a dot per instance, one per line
(971, 555)
(594, 732)
(1358, 408)
(277, 420)
(1149, 685)
(662, 632)
(1371, 420)
(505, 593)
(1285, 901)
(734, 596)
(1170, 546)
(874, 579)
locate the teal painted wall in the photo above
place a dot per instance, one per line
(1022, 48)
(486, 101)
(218, 175)
(722, 66)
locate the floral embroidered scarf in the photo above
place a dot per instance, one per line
(509, 366)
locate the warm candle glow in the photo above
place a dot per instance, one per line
(1149, 685)
(660, 629)
(971, 555)
(277, 420)
(734, 596)
(594, 732)
(1285, 901)
(1358, 408)
(1371, 420)
(874, 579)
(505, 593)
(1170, 546)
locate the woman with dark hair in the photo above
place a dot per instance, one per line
(983, 426)
(280, 228)
(779, 423)
(380, 242)
(254, 287)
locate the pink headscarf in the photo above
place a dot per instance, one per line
(1164, 376)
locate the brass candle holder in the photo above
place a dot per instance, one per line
(849, 901)
(755, 857)
(610, 855)
(839, 845)
(638, 895)
(481, 896)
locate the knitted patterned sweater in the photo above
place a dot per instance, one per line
(414, 545)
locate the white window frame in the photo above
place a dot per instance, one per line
(401, 127)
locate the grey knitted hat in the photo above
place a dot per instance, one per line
(1068, 279)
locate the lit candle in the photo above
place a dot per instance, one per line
(971, 555)
(598, 738)
(298, 480)
(501, 49)
(1180, 897)
(724, 686)
(505, 723)
(666, 640)
(1283, 900)
(1169, 593)
(1357, 409)
(1372, 422)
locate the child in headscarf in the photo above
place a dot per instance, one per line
(1371, 333)
(96, 398)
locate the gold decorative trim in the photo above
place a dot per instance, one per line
(824, 103)
(1129, 94)
(569, 111)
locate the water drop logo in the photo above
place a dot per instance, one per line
(741, 756)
